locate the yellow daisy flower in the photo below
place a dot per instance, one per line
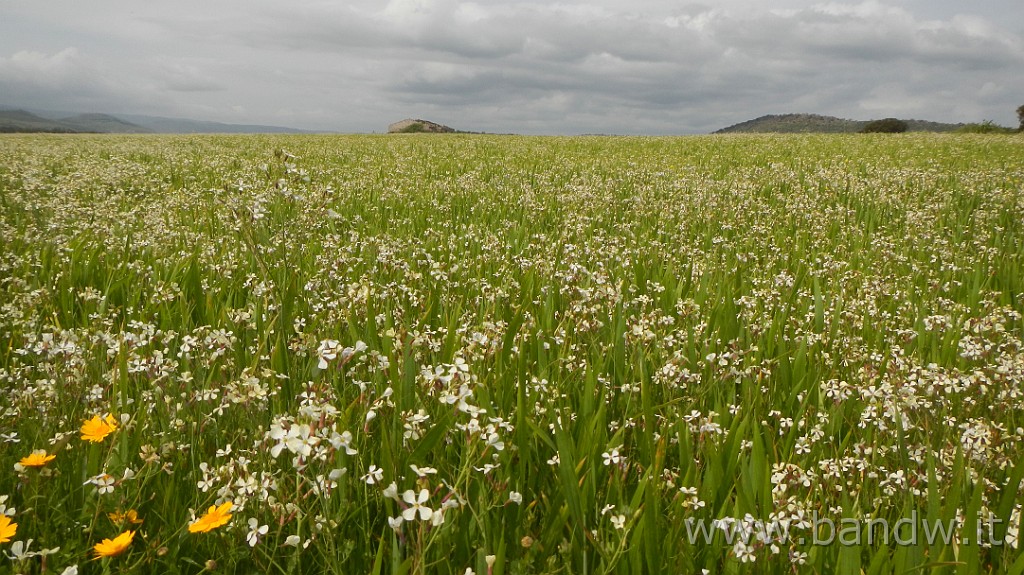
(97, 429)
(115, 546)
(214, 518)
(38, 458)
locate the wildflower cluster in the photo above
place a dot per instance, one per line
(481, 354)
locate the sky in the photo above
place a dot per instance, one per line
(529, 67)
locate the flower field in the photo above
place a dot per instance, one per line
(511, 355)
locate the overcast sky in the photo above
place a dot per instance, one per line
(569, 67)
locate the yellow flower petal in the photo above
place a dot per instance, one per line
(130, 516)
(7, 529)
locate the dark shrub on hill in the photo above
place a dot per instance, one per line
(886, 126)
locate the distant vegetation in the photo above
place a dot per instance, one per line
(986, 127)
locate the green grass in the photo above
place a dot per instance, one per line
(593, 343)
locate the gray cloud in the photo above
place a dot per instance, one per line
(644, 66)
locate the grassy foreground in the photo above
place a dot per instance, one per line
(508, 355)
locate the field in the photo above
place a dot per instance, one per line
(511, 355)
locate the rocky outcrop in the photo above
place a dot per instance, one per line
(410, 126)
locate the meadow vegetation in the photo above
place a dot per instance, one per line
(509, 355)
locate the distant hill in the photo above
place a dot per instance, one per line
(411, 126)
(54, 122)
(808, 123)
(22, 121)
(102, 123)
(162, 125)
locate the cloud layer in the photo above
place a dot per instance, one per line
(511, 66)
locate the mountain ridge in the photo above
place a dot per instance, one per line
(25, 121)
(20, 120)
(168, 125)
